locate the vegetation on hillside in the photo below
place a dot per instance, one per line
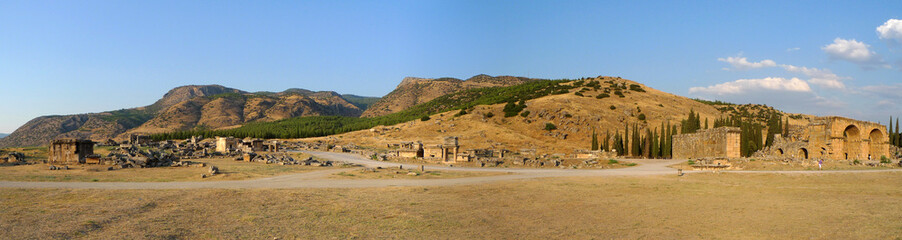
(361, 102)
(303, 127)
(128, 118)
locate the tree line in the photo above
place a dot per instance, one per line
(658, 142)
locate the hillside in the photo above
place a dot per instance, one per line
(575, 115)
(3, 135)
(414, 91)
(186, 107)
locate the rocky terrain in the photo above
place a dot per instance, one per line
(186, 107)
(413, 91)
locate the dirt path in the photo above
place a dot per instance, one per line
(319, 179)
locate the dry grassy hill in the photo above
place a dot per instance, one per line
(575, 115)
(413, 91)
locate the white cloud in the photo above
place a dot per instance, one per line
(893, 92)
(891, 30)
(854, 51)
(792, 49)
(820, 77)
(742, 63)
(748, 85)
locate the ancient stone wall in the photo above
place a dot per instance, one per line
(722, 142)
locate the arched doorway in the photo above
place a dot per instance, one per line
(851, 142)
(876, 144)
(803, 153)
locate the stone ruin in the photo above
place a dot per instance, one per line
(721, 142)
(832, 138)
(13, 158)
(69, 151)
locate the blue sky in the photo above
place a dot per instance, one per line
(815, 57)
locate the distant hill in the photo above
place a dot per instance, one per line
(3, 135)
(413, 91)
(183, 108)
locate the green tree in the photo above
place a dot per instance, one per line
(594, 140)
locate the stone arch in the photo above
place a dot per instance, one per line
(875, 143)
(803, 153)
(851, 142)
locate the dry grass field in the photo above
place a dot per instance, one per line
(229, 168)
(695, 206)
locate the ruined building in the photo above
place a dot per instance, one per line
(226, 144)
(446, 152)
(70, 151)
(722, 142)
(835, 138)
(138, 139)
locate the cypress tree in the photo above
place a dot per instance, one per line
(786, 128)
(626, 139)
(635, 142)
(706, 123)
(653, 145)
(898, 135)
(594, 140)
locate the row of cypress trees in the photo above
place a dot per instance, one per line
(895, 134)
(658, 142)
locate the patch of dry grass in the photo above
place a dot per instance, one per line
(228, 167)
(395, 173)
(695, 206)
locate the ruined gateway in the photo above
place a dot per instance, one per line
(833, 138)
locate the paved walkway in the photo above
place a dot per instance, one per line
(319, 179)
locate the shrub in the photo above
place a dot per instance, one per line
(603, 95)
(461, 113)
(619, 93)
(524, 114)
(550, 126)
(567, 115)
(578, 94)
(856, 162)
(612, 161)
(636, 87)
(884, 159)
(642, 116)
(691, 162)
(489, 115)
(424, 118)
(613, 107)
(631, 164)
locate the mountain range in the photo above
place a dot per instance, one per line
(189, 107)
(215, 107)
